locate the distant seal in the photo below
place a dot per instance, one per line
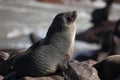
(117, 29)
(99, 15)
(50, 54)
(4, 69)
(109, 68)
(6, 59)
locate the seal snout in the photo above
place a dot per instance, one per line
(74, 15)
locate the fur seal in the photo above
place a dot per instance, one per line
(6, 60)
(99, 15)
(50, 54)
(109, 68)
(117, 29)
(107, 48)
(4, 69)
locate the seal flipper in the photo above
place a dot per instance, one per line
(34, 38)
(10, 76)
(69, 73)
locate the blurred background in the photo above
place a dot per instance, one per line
(21, 18)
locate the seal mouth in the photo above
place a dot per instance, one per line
(74, 15)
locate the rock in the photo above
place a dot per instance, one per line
(83, 69)
(86, 71)
(43, 78)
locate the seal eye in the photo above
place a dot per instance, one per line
(69, 19)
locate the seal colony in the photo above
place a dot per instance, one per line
(50, 54)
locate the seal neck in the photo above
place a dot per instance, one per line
(58, 38)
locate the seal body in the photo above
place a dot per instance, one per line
(44, 57)
(109, 68)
